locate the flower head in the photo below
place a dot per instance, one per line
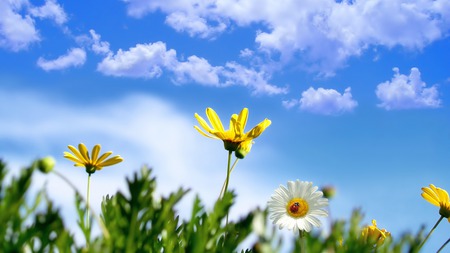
(373, 235)
(235, 135)
(92, 163)
(438, 197)
(297, 206)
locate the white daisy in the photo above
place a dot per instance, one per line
(297, 206)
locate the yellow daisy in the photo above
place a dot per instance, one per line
(372, 234)
(438, 197)
(92, 163)
(235, 135)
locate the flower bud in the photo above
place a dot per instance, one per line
(328, 191)
(243, 149)
(46, 164)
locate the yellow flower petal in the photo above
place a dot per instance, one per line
(242, 121)
(203, 123)
(430, 195)
(72, 157)
(111, 161)
(83, 151)
(214, 120)
(77, 153)
(104, 156)
(95, 151)
(204, 134)
(258, 129)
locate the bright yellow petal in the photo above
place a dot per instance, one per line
(83, 151)
(95, 151)
(203, 123)
(430, 196)
(72, 157)
(214, 120)
(257, 130)
(242, 121)
(204, 134)
(103, 157)
(443, 195)
(77, 153)
(111, 161)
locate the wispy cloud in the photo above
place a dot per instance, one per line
(321, 34)
(194, 25)
(324, 101)
(75, 57)
(97, 45)
(407, 92)
(150, 60)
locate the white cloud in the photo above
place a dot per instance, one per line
(52, 10)
(324, 101)
(322, 34)
(150, 60)
(17, 24)
(198, 70)
(245, 53)
(407, 92)
(98, 46)
(143, 60)
(17, 31)
(75, 57)
(194, 25)
(257, 81)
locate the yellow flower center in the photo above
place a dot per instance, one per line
(297, 208)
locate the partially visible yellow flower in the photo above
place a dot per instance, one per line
(372, 234)
(92, 163)
(438, 197)
(235, 135)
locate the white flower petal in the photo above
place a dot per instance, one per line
(297, 189)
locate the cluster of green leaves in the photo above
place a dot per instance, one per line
(25, 227)
(140, 221)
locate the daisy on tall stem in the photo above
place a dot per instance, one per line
(91, 163)
(235, 139)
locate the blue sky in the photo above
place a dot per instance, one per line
(357, 91)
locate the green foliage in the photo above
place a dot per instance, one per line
(24, 228)
(140, 221)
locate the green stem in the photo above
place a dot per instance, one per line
(222, 191)
(100, 222)
(302, 241)
(227, 179)
(443, 245)
(87, 202)
(431, 231)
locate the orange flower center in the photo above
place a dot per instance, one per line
(297, 208)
